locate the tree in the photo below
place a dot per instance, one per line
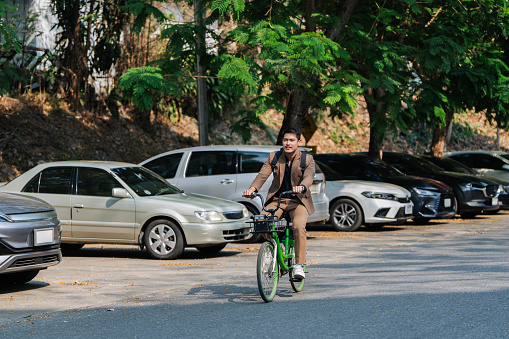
(289, 59)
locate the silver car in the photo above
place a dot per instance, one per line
(29, 238)
(122, 203)
(227, 171)
(492, 163)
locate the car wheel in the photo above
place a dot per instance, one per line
(210, 249)
(71, 247)
(18, 278)
(346, 215)
(163, 240)
(253, 237)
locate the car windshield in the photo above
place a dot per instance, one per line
(381, 168)
(452, 165)
(144, 182)
(504, 155)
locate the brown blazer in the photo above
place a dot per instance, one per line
(297, 177)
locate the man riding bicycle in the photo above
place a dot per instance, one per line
(289, 176)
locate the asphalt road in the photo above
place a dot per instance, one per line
(444, 279)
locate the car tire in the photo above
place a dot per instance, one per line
(18, 278)
(345, 215)
(253, 237)
(163, 239)
(210, 249)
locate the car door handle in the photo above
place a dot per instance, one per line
(227, 181)
(78, 206)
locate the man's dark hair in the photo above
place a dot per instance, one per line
(293, 130)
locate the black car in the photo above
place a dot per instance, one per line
(474, 195)
(451, 165)
(431, 199)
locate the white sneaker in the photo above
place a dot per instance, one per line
(298, 273)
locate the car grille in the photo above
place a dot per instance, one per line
(35, 261)
(491, 190)
(233, 215)
(440, 203)
(401, 213)
(240, 234)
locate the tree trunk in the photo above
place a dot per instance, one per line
(439, 134)
(296, 111)
(374, 107)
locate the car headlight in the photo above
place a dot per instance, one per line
(208, 215)
(245, 212)
(379, 195)
(423, 192)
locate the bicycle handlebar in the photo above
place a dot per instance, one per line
(271, 210)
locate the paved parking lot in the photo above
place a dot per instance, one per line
(109, 276)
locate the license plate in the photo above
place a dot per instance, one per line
(447, 202)
(408, 209)
(43, 236)
(494, 201)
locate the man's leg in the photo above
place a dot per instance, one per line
(299, 216)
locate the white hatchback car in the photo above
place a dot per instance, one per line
(121, 203)
(227, 171)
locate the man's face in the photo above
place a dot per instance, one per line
(290, 143)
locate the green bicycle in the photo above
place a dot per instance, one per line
(276, 255)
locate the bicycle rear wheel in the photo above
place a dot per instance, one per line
(297, 285)
(267, 276)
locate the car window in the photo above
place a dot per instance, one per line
(467, 159)
(144, 182)
(202, 163)
(56, 180)
(251, 162)
(165, 166)
(488, 161)
(95, 182)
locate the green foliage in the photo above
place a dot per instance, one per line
(143, 9)
(7, 32)
(145, 86)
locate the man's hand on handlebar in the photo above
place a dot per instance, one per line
(250, 193)
(299, 189)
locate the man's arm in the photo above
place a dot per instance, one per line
(309, 174)
(262, 176)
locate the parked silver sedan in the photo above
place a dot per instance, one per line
(29, 238)
(122, 203)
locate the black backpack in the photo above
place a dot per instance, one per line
(278, 154)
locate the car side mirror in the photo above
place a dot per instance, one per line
(118, 192)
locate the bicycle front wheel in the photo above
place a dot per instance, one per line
(267, 272)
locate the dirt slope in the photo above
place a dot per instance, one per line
(34, 129)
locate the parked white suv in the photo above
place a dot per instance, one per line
(227, 171)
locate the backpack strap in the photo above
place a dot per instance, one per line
(303, 159)
(275, 159)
